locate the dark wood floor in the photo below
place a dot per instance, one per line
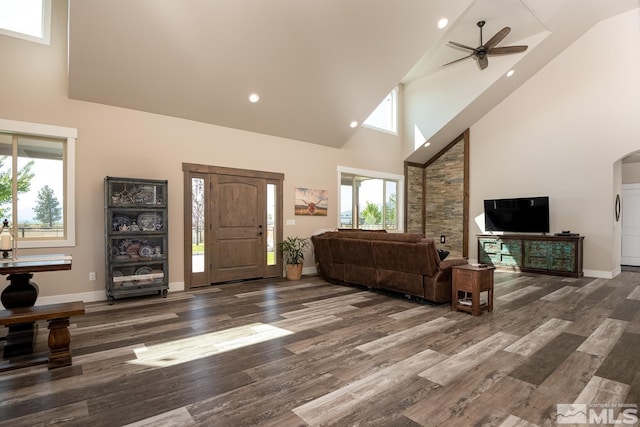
(311, 353)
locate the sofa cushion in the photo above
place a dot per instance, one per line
(360, 267)
(402, 266)
(410, 258)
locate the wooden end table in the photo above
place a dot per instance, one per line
(472, 279)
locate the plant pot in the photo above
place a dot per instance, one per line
(294, 271)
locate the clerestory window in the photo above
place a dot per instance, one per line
(385, 116)
(26, 19)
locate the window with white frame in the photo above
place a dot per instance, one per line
(370, 200)
(385, 116)
(26, 19)
(37, 183)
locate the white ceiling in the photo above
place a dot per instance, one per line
(317, 64)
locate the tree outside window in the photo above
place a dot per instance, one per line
(24, 184)
(371, 214)
(47, 210)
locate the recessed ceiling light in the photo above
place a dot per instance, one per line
(353, 124)
(442, 23)
(254, 97)
(510, 73)
(426, 144)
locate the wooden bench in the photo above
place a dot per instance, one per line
(58, 317)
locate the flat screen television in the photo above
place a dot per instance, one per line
(521, 215)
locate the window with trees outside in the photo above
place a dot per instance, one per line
(36, 183)
(370, 200)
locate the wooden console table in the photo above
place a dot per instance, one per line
(59, 337)
(21, 293)
(557, 255)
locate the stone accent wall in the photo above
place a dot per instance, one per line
(444, 199)
(415, 201)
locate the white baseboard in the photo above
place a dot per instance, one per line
(309, 270)
(599, 274)
(82, 296)
(176, 286)
(616, 271)
(92, 296)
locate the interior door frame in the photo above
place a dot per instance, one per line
(192, 170)
(630, 232)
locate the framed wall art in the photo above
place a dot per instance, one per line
(311, 202)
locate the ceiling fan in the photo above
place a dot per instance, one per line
(489, 48)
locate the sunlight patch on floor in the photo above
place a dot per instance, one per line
(192, 348)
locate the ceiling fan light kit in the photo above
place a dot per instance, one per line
(487, 49)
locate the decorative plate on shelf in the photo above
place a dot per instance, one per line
(133, 249)
(120, 223)
(150, 221)
(145, 251)
(122, 246)
(143, 270)
(145, 195)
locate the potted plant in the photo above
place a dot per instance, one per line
(293, 255)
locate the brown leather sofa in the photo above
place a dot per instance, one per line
(405, 263)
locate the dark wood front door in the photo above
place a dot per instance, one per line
(238, 224)
(233, 223)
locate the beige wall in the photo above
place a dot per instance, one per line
(560, 135)
(120, 142)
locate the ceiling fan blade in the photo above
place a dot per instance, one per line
(483, 62)
(462, 46)
(506, 50)
(500, 35)
(458, 60)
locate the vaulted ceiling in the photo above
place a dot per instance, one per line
(316, 64)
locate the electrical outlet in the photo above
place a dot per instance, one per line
(443, 239)
(92, 276)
